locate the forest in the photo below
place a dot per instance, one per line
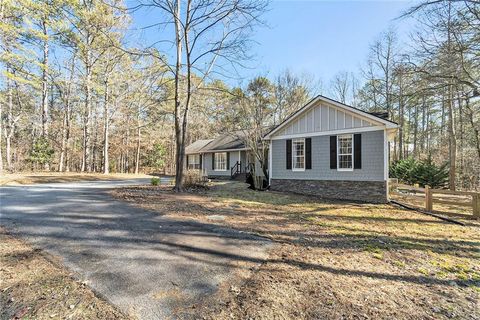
(77, 95)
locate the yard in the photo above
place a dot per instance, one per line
(36, 286)
(333, 259)
(57, 177)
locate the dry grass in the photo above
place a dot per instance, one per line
(461, 208)
(34, 286)
(53, 177)
(335, 260)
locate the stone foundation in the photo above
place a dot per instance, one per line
(364, 191)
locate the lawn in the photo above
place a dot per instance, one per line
(334, 259)
(34, 285)
(54, 177)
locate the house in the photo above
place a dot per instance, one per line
(223, 157)
(326, 148)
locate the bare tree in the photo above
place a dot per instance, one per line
(210, 36)
(344, 86)
(291, 92)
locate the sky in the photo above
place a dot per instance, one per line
(320, 38)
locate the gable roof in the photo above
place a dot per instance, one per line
(197, 146)
(227, 141)
(373, 117)
(233, 140)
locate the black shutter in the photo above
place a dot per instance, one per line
(308, 153)
(187, 160)
(213, 161)
(201, 158)
(357, 152)
(333, 152)
(228, 160)
(289, 154)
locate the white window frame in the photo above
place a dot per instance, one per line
(344, 154)
(194, 162)
(216, 155)
(294, 154)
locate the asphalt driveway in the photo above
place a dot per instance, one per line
(148, 265)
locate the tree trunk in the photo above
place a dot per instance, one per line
(178, 134)
(86, 165)
(137, 153)
(64, 142)
(400, 116)
(45, 86)
(10, 126)
(95, 143)
(106, 121)
(452, 146)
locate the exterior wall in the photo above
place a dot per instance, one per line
(187, 160)
(373, 161)
(324, 117)
(364, 191)
(207, 164)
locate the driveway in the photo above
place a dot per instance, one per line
(148, 265)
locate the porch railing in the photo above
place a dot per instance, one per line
(235, 170)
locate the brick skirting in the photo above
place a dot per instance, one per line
(365, 191)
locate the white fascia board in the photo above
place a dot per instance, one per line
(354, 112)
(225, 150)
(328, 133)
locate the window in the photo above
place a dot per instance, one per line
(194, 161)
(298, 154)
(345, 152)
(221, 161)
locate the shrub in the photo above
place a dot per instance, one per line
(192, 178)
(427, 173)
(155, 181)
(41, 152)
(155, 157)
(423, 172)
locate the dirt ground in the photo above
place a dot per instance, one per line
(35, 286)
(333, 260)
(53, 177)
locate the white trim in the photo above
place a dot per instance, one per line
(304, 154)
(270, 165)
(358, 113)
(313, 119)
(328, 133)
(328, 118)
(386, 151)
(336, 119)
(225, 150)
(215, 162)
(385, 154)
(338, 153)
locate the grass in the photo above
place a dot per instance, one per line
(335, 259)
(54, 177)
(34, 286)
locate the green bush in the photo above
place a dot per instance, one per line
(155, 181)
(155, 157)
(423, 172)
(41, 152)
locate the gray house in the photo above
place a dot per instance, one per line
(223, 157)
(326, 148)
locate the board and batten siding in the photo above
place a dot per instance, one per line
(322, 118)
(372, 153)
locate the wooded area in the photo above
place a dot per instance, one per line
(75, 96)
